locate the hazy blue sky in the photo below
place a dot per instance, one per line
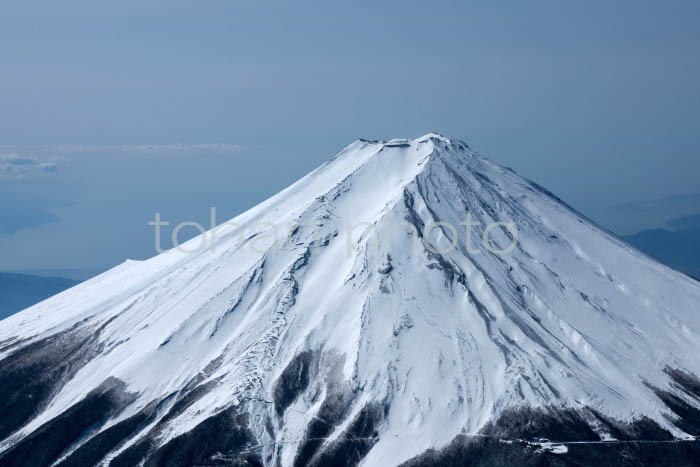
(597, 100)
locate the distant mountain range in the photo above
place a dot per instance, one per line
(20, 291)
(679, 249)
(78, 274)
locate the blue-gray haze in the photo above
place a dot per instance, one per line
(596, 100)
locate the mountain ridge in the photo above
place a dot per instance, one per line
(19, 291)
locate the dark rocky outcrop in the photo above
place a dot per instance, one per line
(223, 439)
(46, 444)
(293, 381)
(31, 375)
(513, 439)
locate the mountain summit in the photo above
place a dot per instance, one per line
(408, 303)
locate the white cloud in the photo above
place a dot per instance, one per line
(18, 164)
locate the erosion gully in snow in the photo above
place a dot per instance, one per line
(359, 317)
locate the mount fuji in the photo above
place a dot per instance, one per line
(408, 303)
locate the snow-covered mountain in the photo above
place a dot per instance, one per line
(337, 323)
